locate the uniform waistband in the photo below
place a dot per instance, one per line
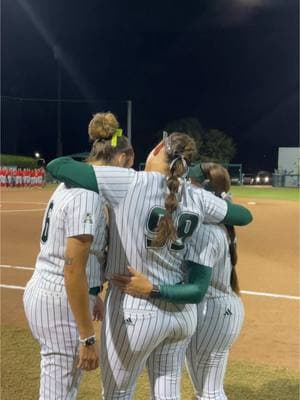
(135, 303)
(57, 286)
(42, 283)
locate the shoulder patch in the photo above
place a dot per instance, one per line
(88, 219)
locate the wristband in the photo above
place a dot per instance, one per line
(88, 341)
(155, 292)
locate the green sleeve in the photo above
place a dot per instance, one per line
(237, 215)
(191, 292)
(73, 173)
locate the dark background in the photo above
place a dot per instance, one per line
(233, 64)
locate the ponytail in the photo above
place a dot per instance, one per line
(234, 282)
(218, 181)
(166, 229)
(180, 150)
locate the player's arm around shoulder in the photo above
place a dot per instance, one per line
(216, 210)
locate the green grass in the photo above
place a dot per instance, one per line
(244, 381)
(263, 192)
(257, 192)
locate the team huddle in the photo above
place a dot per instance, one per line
(163, 243)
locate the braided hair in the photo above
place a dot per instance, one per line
(180, 150)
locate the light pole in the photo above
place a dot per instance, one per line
(129, 119)
(59, 145)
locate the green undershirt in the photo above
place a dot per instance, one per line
(191, 292)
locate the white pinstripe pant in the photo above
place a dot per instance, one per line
(219, 323)
(52, 324)
(154, 335)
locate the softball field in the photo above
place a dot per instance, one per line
(264, 363)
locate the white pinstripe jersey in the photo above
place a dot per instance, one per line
(72, 212)
(212, 243)
(137, 200)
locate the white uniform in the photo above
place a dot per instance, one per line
(220, 318)
(138, 332)
(70, 212)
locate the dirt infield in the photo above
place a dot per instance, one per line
(268, 263)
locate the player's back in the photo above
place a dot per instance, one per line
(221, 273)
(71, 212)
(133, 224)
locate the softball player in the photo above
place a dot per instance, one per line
(221, 314)
(56, 299)
(69, 263)
(153, 232)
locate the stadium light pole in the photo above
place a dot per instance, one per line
(59, 145)
(129, 119)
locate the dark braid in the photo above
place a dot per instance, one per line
(234, 282)
(180, 151)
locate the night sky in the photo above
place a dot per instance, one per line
(233, 64)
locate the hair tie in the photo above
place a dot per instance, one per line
(226, 196)
(184, 163)
(114, 139)
(168, 143)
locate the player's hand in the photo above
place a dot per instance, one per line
(88, 357)
(98, 310)
(136, 284)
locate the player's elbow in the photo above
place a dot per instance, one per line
(247, 218)
(237, 215)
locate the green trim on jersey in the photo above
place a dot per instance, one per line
(94, 290)
(191, 292)
(73, 173)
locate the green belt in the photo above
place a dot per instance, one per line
(94, 290)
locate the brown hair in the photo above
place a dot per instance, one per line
(218, 180)
(101, 130)
(180, 151)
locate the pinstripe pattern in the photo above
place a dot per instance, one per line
(72, 212)
(131, 195)
(135, 338)
(220, 318)
(137, 332)
(71, 207)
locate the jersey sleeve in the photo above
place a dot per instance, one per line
(82, 214)
(214, 208)
(114, 182)
(202, 248)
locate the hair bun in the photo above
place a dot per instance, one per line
(102, 126)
